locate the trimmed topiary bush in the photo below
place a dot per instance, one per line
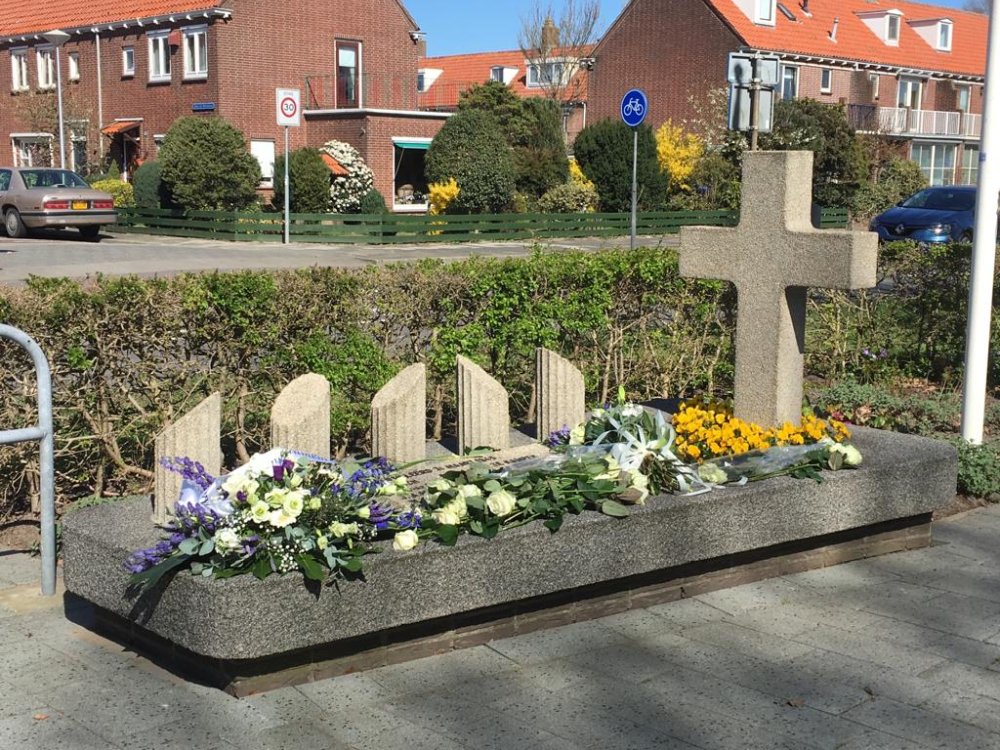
(348, 190)
(122, 192)
(150, 190)
(604, 152)
(568, 198)
(373, 203)
(309, 180)
(206, 165)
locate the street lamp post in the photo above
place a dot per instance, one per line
(57, 38)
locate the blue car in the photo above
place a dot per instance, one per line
(935, 214)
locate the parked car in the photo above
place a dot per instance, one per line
(37, 197)
(936, 214)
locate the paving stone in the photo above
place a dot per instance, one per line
(852, 574)
(550, 644)
(293, 736)
(55, 732)
(439, 672)
(874, 740)
(179, 733)
(886, 653)
(980, 581)
(770, 593)
(686, 613)
(15, 701)
(921, 726)
(19, 569)
(955, 614)
(967, 678)
(746, 641)
(917, 566)
(968, 651)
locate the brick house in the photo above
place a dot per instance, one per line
(908, 71)
(129, 69)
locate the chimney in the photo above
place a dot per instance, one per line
(833, 31)
(805, 7)
(550, 36)
(422, 46)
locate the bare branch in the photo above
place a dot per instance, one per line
(554, 42)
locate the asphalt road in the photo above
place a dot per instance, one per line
(64, 254)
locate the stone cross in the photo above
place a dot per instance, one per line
(772, 257)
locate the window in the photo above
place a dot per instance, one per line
(970, 164)
(263, 151)
(789, 82)
(936, 161)
(5, 175)
(196, 52)
(128, 61)
(33, 150)
(944, 36)
(873, 79)
(409, 184)
(909, 93)
(19, 70)
(496, 73)
(46, 60)
(825, 81)
(545, 74)
(421, 82)
(78, 150)
(73, 61)
(765, 11)
(963, 96)
(892, 28)
(159, 56)
(348, 77)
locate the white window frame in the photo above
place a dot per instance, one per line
(45, 64)
(73, 65)
(795, 79)
(158, 49)
(944, 36)
(891, 38)
(963, 91)
(534, 80)
(496, 73)
(262, 150)
(20, 78)
(128, 62)
(18, 142)
(402, 208)
(765, 12)
(908, 83)
(196, 61)
(825, 80)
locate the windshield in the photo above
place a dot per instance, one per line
(942, 200)
(51, 178)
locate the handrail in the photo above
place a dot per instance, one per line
(42, 432)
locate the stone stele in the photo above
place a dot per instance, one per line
(561, 395)
(399, 412)
(483, 410)
(197, 436)
(772, 256)
(300, 416)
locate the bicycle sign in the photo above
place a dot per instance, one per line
(289, 113)
(634, 107)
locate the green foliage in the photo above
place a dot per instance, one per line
(150, 190)
(899, 179)
(568, 198)
(715, 185)
(979, 469)
(506, 106)
(309, 180)
(114, 172)
(207, 166)
(604, 152)
(471, 148)
(372, 202)
(840, 165)
(122, 192)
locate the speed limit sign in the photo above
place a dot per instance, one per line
(288, 107)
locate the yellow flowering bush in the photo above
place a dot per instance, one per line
(678, 153)
(707, 429)
(577, 177)
(440, 195)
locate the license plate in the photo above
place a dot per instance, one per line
(80, 205)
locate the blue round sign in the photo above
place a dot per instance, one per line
(634, 107)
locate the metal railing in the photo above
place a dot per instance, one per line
(42, 432)
(872, 118)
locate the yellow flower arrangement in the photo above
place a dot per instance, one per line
(707, 429)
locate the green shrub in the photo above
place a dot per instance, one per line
(150, 189)
(373, 203)
(979, 469)
(899, 179)
(206, 165)
(568, 198)
(309, 180)
(470, 147)
(604, 152)
(122, 192)
(540, 160)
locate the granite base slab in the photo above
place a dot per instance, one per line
(237, 623)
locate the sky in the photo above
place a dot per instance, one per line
(456, 26)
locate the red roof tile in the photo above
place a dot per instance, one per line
(856, 42)
(334, 166)
(31, 16)
(460, 72)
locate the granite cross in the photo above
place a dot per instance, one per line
(772, 257)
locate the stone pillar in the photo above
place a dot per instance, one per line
(197, 435)
(483, 409)
(399, 417)
(300, 417)
(560, 394)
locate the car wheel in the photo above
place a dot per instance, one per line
(13, 224)
(91, 234)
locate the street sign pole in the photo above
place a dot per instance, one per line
(754, 100)
(633, 111)
(635, 181)
(288, 213)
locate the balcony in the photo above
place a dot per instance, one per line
(870, 118)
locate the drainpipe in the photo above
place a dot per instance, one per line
(100, 99)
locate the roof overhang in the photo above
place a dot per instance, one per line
(128, 23)
(942, 75)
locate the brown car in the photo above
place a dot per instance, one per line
(37, 197)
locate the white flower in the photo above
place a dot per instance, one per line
(852, 456)
(468, 491)
(441, 485)
(340, 530)
(322, 542)
(405, 540)
(712, 474)
(294, 502)
(577, 434)
(315, 503)
(238, 482)
(446, 517)
(640, 482)
(614, 469)
(364, 512)
(279, 519)
(501, 503)
(631, 410)
(276, 497)
(260, 511)
(458, 507)
(226, 541)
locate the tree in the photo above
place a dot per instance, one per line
(840, 165)
(556, 42)
(470, 148)
(978, 6)
(207, 166)
(308, 180)
(604, 152)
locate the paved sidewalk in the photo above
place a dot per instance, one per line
(896, 653)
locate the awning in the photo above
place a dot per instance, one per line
(120, 126)
(335, 166)
(416, 145)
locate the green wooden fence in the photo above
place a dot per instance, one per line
(402, 228)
